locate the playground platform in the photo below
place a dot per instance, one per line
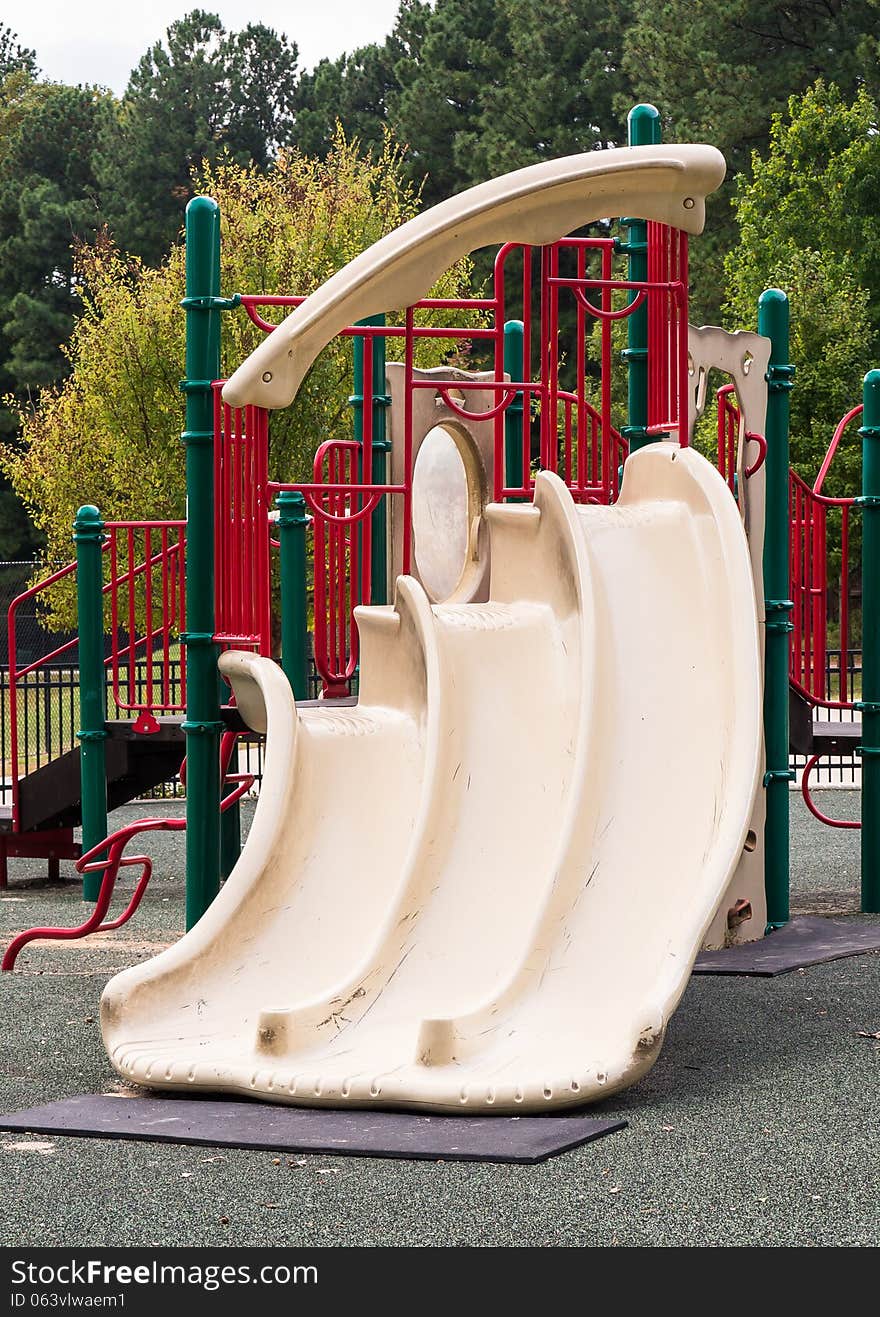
(757, 1125)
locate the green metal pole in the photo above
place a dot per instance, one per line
(870, 701)
(88, 533)
(643, 129)
(514, 368)
(203, 724)
(292, 522)
(381, 447)
(773, 323)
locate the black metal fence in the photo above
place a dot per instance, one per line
(48, 718)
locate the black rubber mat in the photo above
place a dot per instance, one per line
(217, 1123)
(807, 940)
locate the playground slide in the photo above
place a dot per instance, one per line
(483, 887)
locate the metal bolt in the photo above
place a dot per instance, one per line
(267, 376)
(689, 203)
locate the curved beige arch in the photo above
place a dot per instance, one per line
(536, 205)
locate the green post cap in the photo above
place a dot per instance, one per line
(201, 204)
(87, 523)
(643, 125)
(773, 303)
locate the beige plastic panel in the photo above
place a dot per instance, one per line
(535, 205)
(744, 356)
(483, 888)
(461, 558)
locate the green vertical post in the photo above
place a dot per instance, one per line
(870, 701)
(203, 724)
(773, 323)
(88, 533)
(292, 522)
(514, 368)
(643, 129)
(381, 447)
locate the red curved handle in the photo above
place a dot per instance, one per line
(762, 452)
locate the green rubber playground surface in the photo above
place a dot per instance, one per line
(758, 1125)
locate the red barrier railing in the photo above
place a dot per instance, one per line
(242, 578)
(146, 598)
(147, 590)
(667, 331)
(821, 579)
(815, 530)
(108, 857)
(728, 437)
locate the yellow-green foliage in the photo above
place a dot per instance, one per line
(110, 433)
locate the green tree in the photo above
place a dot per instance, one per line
(47, 203)
(14, 57)
(355, 89)
(110, 433)
(205, 92)
(463, 57)
(719, 70)
(809, 224)
(558, 91)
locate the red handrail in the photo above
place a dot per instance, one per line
(114, 845)
(161, 620)
(114, 860)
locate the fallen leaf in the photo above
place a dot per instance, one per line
(863, 1033)
(223, 1220)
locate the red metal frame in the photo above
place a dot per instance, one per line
(811, 804)
(728, 423)
(242, 576)
(576, 436)
(809, 511)
(147, 597)
(114, 860)
(154, 567)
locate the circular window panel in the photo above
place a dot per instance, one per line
(443, 511)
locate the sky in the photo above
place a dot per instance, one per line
(100, 41)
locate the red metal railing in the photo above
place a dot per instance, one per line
(147, 590)
(242, 577)
(821, 575)
(667, 331)
(146, 597)
(342, 563)
(812, 517)
(108, 857)
(728, 436)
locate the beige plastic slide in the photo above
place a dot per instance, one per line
(484, 886)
